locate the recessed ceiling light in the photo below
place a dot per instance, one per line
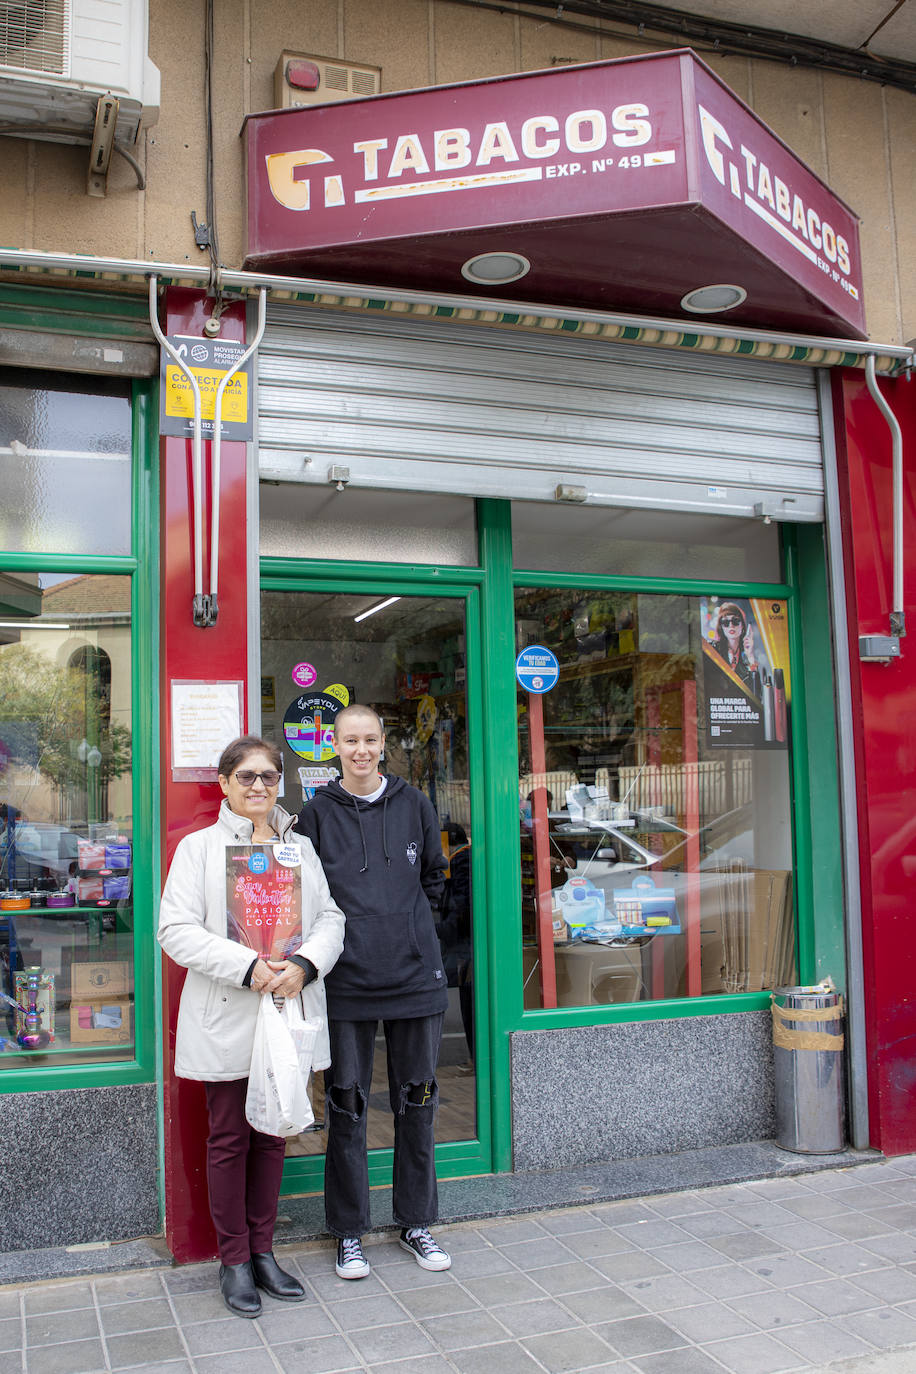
(706, 300)
(495, 269)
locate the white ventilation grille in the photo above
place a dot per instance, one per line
(35, 36)
(332, 80)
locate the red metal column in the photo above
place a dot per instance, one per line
(884, 739)
(189, 652)
(540, 834)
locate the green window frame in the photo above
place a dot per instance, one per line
(54, 312)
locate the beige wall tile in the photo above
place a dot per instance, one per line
(15, 202)
(552, 45)
(901, 127)
(393, 35)
(471, 45)
(277, 26)
(788, 99)
(176, 153)
(857, 170)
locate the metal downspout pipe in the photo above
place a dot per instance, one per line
(198, 609)
(897, 614)
(205, 606)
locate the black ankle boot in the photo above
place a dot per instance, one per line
(236, 1283)
(274, 1280)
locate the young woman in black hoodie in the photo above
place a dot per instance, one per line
(380, 846)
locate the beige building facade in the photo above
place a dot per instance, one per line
(856, 134)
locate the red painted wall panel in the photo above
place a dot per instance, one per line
(885, 743)
(189, 652)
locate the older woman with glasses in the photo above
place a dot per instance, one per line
(219, 1007)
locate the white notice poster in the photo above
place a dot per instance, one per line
(206, 716)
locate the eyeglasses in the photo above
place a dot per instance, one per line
(270, 777)
(726, 620)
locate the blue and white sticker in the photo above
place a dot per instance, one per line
(537, 669)
(289, 855)
(258, 862)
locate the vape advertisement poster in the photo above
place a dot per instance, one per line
(746, 672)
(264, 898)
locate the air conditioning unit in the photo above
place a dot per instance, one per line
(57, 57)
(302, 79)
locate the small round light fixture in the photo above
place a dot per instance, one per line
(708, 300)
(495, 269)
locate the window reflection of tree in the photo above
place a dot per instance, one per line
(94, 665)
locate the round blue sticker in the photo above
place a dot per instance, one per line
(258, 862)
(537, 669)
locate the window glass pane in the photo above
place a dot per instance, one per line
(643, 543)
(305, 521)
(66, 919)
(65, 447)
(405, 657)
(654, 798)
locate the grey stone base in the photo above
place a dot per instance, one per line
(78, 1166)
(592, 1093)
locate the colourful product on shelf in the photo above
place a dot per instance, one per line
(60, 899)
(646, 909)
(89, 854)
(34, 993)
(116, 888)
(89, 891)
(14, 901)
(117, 854)
(579, 903)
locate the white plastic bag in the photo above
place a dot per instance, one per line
(278, 1102)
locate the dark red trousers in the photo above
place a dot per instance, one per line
(244, 1169)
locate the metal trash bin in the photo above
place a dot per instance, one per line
(809, 1072)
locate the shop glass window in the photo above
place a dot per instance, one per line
(301, 520)
(65, 446)
(654, 796)
(66, 841)
(643, 543)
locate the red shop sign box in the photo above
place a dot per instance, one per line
(625, 184)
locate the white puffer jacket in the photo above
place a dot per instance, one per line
(216, 1015)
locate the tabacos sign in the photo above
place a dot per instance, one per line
(492, 154)
(625, 184)
(778, 201)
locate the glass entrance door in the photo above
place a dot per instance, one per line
(405, 655)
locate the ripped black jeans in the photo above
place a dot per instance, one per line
(413, 1051)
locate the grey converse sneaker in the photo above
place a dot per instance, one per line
(420, 1244)
(351, 1262)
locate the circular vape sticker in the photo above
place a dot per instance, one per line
(308, 726)
(304, 675)
(289, 855)
(337, 690)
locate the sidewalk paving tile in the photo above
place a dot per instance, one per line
(131, 1352)
(823, 1340)
(758, 1354)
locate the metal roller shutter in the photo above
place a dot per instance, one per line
(407, 404)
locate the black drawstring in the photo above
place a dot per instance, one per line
(385, 830)
(362, 836)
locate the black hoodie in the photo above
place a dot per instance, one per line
(384, 864)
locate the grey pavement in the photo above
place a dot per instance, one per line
(814, 1272)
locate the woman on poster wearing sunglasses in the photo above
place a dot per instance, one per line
(734, 641)
(219, 1008)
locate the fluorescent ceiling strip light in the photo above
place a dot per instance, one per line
(31, 625)
(372, 609)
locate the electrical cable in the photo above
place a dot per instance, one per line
(715, 36)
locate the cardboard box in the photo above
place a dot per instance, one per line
(101, 1021)
(103, 980)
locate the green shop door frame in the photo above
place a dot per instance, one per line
(463, 1157)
